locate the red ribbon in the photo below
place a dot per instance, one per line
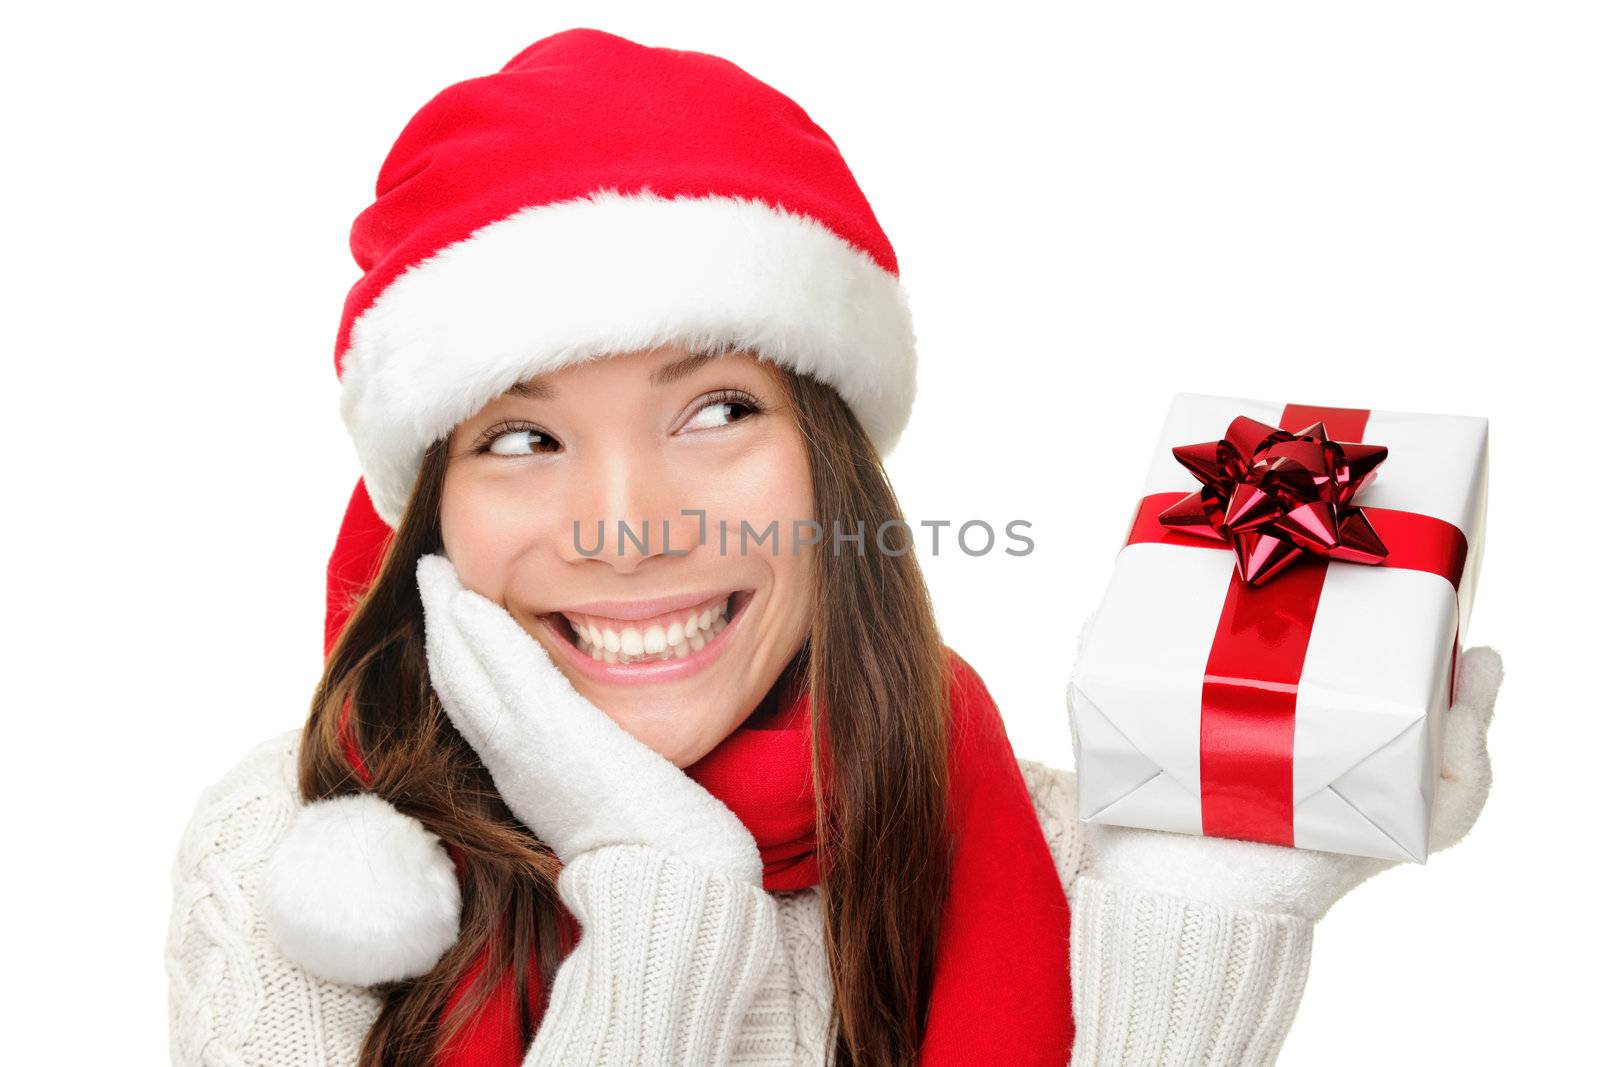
(1252, 679)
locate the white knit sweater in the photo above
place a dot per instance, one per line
(1156, 979)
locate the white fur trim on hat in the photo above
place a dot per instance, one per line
(358, 893)
(607, 274)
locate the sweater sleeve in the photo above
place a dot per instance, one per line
(231, 997)
(670, 958)
(1164, 980)
(1159, 979)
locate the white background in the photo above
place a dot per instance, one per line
(1376, 205)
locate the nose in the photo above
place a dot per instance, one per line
(625, 510)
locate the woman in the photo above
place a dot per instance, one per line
(636, 740)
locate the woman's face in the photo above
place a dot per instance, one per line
(676, 639)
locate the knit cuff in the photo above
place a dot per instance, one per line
(670, 958)
(1158, 979)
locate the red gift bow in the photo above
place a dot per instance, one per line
(1276, 496)
(1252, 673)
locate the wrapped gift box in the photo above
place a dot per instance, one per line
(1304, 708)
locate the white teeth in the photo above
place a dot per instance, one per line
(677, 640)
(655, 640)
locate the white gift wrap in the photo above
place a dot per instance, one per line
(1374, 689)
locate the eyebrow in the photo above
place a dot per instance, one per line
(679, 368)
(534, 389)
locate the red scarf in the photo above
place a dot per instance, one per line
(1000, 992)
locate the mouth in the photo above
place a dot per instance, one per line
(670, 645)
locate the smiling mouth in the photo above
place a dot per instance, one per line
(675, 635)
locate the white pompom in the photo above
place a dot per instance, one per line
(358, 893)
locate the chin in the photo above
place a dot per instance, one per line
(665, 736)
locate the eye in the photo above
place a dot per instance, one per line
(516, 439)
(723, 408)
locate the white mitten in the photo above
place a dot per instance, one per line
(563, 767)
(1303, 882)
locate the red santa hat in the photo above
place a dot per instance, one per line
(597, 196)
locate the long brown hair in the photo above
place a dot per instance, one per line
(879, 687)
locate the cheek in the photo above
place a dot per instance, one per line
(793, 593)
(781, 490)
(769, 483)
(486, 531)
